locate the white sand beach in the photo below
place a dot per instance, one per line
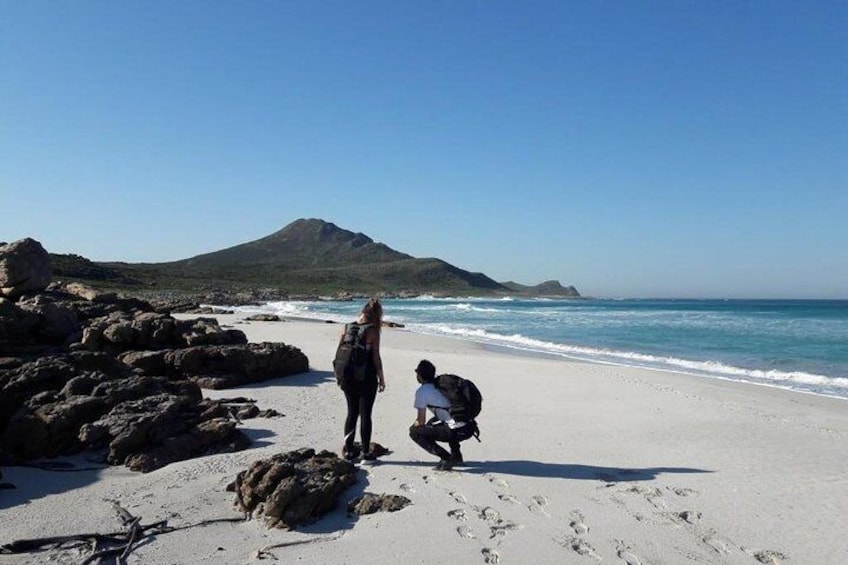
(579, 463)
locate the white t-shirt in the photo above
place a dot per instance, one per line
(428, 396)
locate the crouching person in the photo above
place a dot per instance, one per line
(441, 427)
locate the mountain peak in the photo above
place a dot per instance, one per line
(318, 230)
(303, 244)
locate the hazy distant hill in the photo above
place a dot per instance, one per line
(76, 267)
(307, 256)
(547, 288)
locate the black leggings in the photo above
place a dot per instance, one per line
(359, 406)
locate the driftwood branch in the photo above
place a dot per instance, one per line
(123, 541)
(265, 553)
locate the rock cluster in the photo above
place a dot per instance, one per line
(82, 369)
(221, 366)
(294, 488)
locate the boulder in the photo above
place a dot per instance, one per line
(24, 267)
(263, 318)
(88, 293)
(294, 488)
(221, 366)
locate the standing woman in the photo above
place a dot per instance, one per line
(360, 400)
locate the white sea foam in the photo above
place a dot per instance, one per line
(797, 380)
(466, 318)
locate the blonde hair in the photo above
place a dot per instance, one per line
(373, 312)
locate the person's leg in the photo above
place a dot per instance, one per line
(352, 399)
(426, 436)
(455, 452)
(458, 435)
(366, 404)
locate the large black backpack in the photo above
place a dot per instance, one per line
(350, 364)
(464, 397)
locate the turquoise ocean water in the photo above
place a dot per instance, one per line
(795, 344)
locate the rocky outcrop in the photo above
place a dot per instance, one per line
(59, 405)
(153, 431)
(82, 369)
(39, 322)
(219, 367)
(24, 267)
(294, 488)
(120, 331)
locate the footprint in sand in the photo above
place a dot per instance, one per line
(651, 494)
(458, 497)
(624, 553)
(643, 489)
(769, 557)
(407, 488)
(538, 504)
(578, 523)
(498, 482)
(508, 498)
(465, 532)
(681, 491)
(657, 501)
(458, 514)
(579, 546)
(502, 527)
(717, 544)
(490, 555)
(629, 558)
(489, 514)
(689, 516)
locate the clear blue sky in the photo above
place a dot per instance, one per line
(644, 149)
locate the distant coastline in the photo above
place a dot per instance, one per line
(735, 340)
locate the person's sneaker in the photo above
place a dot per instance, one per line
(444, 465)
(350, 455)
(368, 456)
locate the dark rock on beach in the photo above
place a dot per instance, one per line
(216, 367)
(369, 503)
(263, 318)
(294, 488)
(82, 369)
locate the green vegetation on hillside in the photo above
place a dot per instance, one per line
(306, 257)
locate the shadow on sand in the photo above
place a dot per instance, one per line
(60, 475)
(573, 471)
(310, 378)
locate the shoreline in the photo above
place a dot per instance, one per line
(579, 462)
(812, 372)
(522, 351)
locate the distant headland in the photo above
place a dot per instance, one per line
(308, 257)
